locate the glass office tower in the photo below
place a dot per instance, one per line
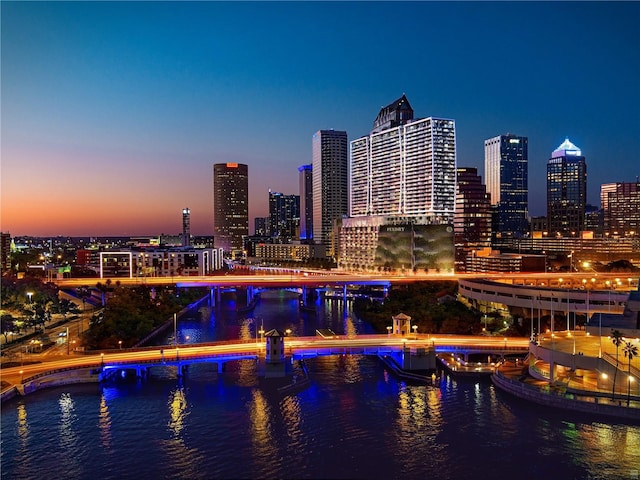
(506, 177)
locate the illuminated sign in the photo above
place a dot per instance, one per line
(232, 165)
(514, 140)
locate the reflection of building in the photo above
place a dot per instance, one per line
(230, 206)
(329, 184)
(306, 202)
(472, 221)
(621, 208)
(404, 166)
(566, 190)
(395, 243)
(506, 177)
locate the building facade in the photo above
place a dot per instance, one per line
(472, 220)
(621, 208)
(566, 191)
(186, 227)
(284, 216)
(305, 178)
(330, 185)
(230, 206)
(406, 169)
(506, 170)
(395, 243)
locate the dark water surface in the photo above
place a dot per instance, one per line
(355, 420)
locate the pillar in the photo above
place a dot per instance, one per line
(304, 295)
(344, 293)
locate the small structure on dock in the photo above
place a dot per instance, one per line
(401, 324)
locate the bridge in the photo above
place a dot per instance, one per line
(31, 377)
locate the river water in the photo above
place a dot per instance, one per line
(355, 420)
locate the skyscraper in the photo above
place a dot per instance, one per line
(330, 184)
(566, 190)
(621, 208)
(284, 216)
(472, 222)
(186, 227)
(306, 202)
(408, 168)
(506, 177)
(230, 206)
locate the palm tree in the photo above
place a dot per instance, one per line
(630, 350)
(616, 338)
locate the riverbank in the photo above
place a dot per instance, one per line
(513, 378)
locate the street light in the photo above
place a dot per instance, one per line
(415, 330)
(29, 295)
(120, 344)
(388, 331)
(288, 331)
(102, 360)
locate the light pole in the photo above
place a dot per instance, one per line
(415, 331)
(120, 344)
(21, 377)
(29, 295)
(388, 331)
(102, 361)
(175, 330)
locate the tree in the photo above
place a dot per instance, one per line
(616, 338)
(630, 351)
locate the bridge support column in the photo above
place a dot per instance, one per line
(304, 295)
(212, 296)
(344, 293)
(466, 357)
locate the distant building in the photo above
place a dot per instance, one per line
(5, 251)
(186, 227)
(330, 184)
(261, 226)
(488, 261)
(306, 202)
(230, 206)
(159, 262)
(284, 216)
(290, 252)
(566, 191)
(621, 208)
(506, 160)
(472, 220)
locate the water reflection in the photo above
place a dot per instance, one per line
(184, 460)
(104, 422)
(260, 417)
(291, 417)
(67, 435)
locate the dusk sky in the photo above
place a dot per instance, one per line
(114, 113)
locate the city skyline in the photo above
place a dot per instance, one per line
(113, 114)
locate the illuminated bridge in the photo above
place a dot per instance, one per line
(32, 377)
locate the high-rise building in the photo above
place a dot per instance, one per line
(261, 226)
(5, 251)
(406, 169)
(566, 190)
(306, 202)
(284, 216)
(230, 206)
(621, 208)
(330, 185)
(472, 221)
(186, 227)
(506, 177)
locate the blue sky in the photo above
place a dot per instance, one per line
(114, 113)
